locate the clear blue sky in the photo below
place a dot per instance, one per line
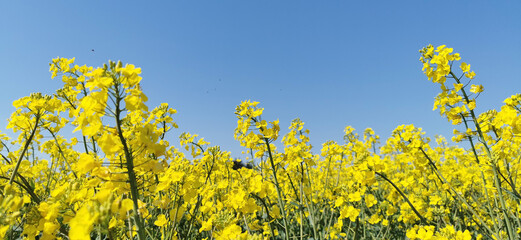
(330, 63)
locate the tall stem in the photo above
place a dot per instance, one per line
(26, 146)
(277, 186)
(130, 167)
(495, 169)
(471, 209)
(422, 219)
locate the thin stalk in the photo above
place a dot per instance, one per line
(246, 224)
(422, 219)
(502, 202)
(327, 176)
(328, 228)
(61, 153)
(27, 189)
(130, 169)
(277, 186)
(85, 145)
(267, 213)
(310, 206)
(27, 143)
(497, 183)
(301, 215)
(473, 147)
(301, 204)
(356, 229)
(460, 197)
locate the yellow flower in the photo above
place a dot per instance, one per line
(476, 88)
(465, 67)
(231, 232)
(349, 212)
(86, 163)
(206, 225)
(516, 125)
(109, 143)
(113, 222)
(339, 202)
(125, 206)
(370, 200)
(82, 224)
(458, 87)
(355, 197)
(3, 230)
(50, 227)
(470, 75)
(375, 218)
(161, 220)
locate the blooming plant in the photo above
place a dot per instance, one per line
(124, 178)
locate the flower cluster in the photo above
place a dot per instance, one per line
(121, 177)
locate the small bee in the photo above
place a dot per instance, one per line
(237, 164)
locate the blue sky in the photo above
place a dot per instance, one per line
(330, 63)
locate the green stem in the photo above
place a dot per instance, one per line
(130, 168)
(497, 183)
(460, 197)
(281, 201)
(27, 143)
(61, 152)
(422, 219)
(309, 204)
